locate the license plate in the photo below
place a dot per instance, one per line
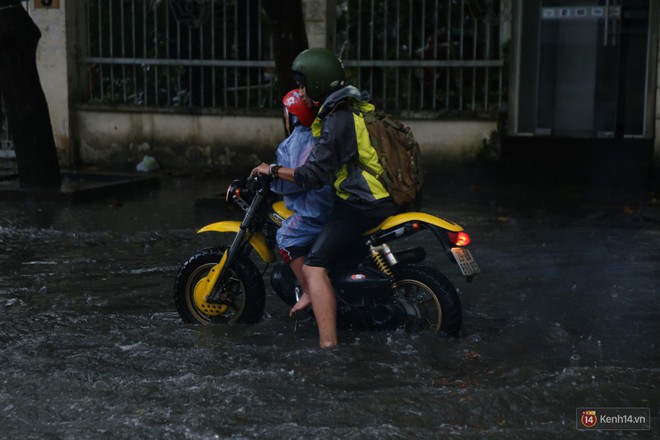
(465, 261)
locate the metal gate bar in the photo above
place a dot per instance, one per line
(421, 58)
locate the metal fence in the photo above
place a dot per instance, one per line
(420, 57)
(425, 57)
(165, 53)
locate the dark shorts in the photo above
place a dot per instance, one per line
(342, 231)
(290, 253)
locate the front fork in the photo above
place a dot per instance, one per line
(218, 271)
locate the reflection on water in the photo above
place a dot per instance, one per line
(92, 346)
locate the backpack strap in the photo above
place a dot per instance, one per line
(383, 178)
(344, 104)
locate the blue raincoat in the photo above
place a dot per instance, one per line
(310, 206)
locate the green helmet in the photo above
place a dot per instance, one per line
(323, 72)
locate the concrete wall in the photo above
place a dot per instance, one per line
(121, 139)
(233, 143)
(177, 141)
(52, 62)
(315, 22)
(180, 141)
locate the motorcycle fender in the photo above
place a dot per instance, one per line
(257, 239)
(396, 220)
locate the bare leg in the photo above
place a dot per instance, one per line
(305, 300)
(324, 304)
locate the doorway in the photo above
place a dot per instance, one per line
(583, 89)
(586, 68)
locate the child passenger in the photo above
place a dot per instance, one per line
(310, 206)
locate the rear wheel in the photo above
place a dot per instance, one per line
(243, 298)
(430, 299)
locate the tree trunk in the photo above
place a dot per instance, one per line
(287, 26)
(25, 102)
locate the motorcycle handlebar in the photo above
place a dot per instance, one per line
(257, 182)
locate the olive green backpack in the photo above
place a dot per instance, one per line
(399, 155)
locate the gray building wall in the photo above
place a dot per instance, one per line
(122, 138)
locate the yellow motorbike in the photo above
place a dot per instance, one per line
(377, 286)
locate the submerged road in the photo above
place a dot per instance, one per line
(565, 315)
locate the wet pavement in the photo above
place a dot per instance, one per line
(565, 315)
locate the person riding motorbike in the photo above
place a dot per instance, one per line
(361, 201)
(310, 207)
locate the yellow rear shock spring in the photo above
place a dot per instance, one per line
(381, 264)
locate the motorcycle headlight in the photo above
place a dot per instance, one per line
(238, 195)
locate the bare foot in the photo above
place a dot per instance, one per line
(304, 302)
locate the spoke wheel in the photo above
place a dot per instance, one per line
(243, 297)
(430, 299)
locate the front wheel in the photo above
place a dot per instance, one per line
(430, 299)
(243, 298)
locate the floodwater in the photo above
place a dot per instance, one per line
(565, 315)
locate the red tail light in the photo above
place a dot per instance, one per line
(459, 238)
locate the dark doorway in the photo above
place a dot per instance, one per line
(583, 89)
